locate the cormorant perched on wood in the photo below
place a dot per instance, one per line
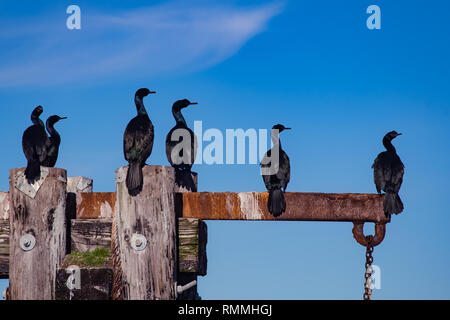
(55, 141)
(179, 160)
(276, 173)
(138, 143)
(179, 155)
(35, 143)
(388, 172)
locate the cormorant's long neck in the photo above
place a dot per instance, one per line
(52, 132)
(275, 135)
(388, 145)
(178, 117)
(140, 106)
(37, 121)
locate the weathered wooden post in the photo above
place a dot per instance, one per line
(75, 187)
(145, 232)
(4, 235)
(4, 248)
(38, 233)
(192, 238)
(189, 244)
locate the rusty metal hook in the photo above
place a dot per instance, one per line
(358, 234)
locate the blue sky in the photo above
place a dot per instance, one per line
(311, 65)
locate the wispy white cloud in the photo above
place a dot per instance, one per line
(152, 41)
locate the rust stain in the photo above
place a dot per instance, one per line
(362, 239)
(246, 206)
(300, 206)
(90, 204)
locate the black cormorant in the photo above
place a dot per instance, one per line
(55, 141)
(35, 143)
(276, 173)
(138, 143)
(388, 172)
(174, 149)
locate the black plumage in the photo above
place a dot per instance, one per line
(138, 143)
(55, 141)
(276, 173)
(181, 146)
(35, 143)
(388, 172)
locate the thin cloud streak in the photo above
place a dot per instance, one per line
(149, 41)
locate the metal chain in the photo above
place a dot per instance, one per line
(369, 270)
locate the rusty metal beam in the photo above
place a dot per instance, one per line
(348, 207)
(88, 205)
(95, 205)
(301, 206)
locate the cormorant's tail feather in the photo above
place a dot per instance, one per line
(33, 171)
(135, 180)
(392, 204)
(276, 203)
(183, 178)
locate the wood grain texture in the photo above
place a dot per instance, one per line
(89, 234)
(4, 248)
(95, 284)
(192, 238)
(149, 274)
(33, 273)
(186, 238)
(4, 205)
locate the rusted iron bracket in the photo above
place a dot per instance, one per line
(358, 234)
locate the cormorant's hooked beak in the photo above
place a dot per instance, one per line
(287, 128)
(62, 118)
(399, 134)
(152, 92)
(193, 103)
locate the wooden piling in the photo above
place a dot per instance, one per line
(90, 234)
(4, 248)
(40, 214)
(150, 271)
(191, 257)
(192, 239)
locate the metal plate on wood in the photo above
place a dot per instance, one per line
(30, 189)
(27, 242)
(138, 242)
